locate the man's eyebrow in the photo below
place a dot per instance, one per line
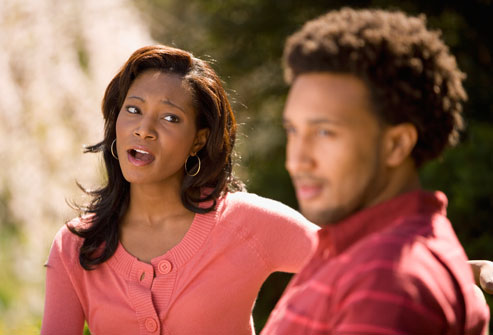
(316, 121)
(322, 121)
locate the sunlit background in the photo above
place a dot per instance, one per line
(57, 56)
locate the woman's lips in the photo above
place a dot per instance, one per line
(139, 157)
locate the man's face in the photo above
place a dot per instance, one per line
(334, 145)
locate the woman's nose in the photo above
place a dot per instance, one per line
(146, 129)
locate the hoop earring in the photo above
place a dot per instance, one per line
(198, 168)
(111, 149)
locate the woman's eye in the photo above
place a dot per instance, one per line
(132, 110)
(171, 118)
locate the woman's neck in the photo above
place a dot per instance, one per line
(154, 203)
(155, 221)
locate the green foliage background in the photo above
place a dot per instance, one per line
(244, 39)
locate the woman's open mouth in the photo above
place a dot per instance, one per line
(140, 157)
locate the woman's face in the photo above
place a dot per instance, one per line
(156, 129)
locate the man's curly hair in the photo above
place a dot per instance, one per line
(410, 73)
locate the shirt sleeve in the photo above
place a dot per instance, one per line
(285, 238)
(63, 313)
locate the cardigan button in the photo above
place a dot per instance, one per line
(151, 325)
(164, 267)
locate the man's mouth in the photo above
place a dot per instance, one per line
(308, 192)
(307, 187)
(140, 157)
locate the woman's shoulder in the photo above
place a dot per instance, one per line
(66, 242)
(236, 201)
(254, 207)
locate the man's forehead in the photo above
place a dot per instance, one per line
(337, 84)
(326, 97)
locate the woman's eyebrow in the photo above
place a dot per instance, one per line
(167, 101)
(136, 97)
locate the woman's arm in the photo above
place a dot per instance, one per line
(286, 238)
(63, 312)
(291, 241)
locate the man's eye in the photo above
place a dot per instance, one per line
(132, 110)
(172, 118)
(325, 132)
(289, 130)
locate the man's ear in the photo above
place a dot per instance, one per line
(400, 141)
(200, 139)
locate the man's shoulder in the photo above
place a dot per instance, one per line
(409, 238)
(417, 256)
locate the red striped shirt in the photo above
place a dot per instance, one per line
(395, 268)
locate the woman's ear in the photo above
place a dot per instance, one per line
(400, 141)
(200, 139)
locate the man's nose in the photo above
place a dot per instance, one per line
(299, 157)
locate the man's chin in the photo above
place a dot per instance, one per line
(323, 217)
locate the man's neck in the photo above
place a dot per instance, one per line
(402, 179)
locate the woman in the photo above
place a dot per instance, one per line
(168, 245)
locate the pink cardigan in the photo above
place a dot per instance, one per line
(206, 284)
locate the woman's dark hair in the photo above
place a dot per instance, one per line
(110, 202)
(409, 71)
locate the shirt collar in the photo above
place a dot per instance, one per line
(339, 236)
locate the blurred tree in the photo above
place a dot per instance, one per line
(55, 62)
(244, 38)
(9, 236)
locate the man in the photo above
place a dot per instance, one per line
(374, 95)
